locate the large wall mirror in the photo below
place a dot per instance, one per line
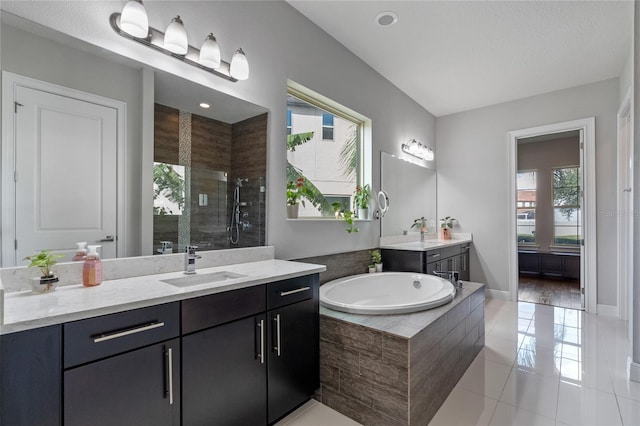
(112, 152)
(411, 189)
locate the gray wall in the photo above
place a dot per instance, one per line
(473, 174)
(56, 63)
(280, 44)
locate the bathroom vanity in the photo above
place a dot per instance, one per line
(429, 256)
(241, 351)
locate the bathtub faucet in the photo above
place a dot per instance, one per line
(452, 276)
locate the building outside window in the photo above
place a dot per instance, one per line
(567, 223)
(327, 126)
(331, 172)
(526, 207)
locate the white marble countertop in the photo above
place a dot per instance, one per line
(428, 244)
(25, 310)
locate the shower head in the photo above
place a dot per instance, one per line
(240, 180)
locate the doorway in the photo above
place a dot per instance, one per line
(549, 216)
(60, 169)
(580, 261)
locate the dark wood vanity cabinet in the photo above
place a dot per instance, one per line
(255, 364)
(450, 258)
(241, 357)
(123, 368)
(31, 377)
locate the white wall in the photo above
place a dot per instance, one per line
(280, 44)
(473, 174)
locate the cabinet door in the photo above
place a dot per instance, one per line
(224, 379)
(141, 387)
(31, 372)
(433, 266)
(293, 357)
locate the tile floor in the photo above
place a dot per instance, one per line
(541, 365)
(564, 293)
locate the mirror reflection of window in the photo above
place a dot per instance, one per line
(526, 207)
(168, 189)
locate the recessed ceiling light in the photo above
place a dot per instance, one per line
(204, 105)
(384, 19)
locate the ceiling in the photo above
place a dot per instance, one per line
(452, 56)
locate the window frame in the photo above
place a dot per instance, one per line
(533, 243)
(578, 207)
(328, 127)
(363, 125)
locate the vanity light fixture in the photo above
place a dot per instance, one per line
(134, 20)
(133, 24)
(415, 148)
(175, 38)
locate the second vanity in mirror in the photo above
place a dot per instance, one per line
(153, 161)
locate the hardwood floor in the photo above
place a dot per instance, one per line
(562, 293)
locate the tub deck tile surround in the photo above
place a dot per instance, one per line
(398, 369)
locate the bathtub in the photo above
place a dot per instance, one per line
(386, 293)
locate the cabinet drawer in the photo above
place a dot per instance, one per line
(433, 256)
(293, 290)
(449, 251)
(100, 337)
(209, 311)
(465, 248)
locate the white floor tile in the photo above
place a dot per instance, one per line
(314, 413)
(532, 392)
(581, 406)
(500, 350)
(543, 362)
(478, 409)
(485, 377)
(629, 410)
(508, 415)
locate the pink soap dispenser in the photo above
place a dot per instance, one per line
(92, 268)
(81, 252)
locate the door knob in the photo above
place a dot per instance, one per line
(108, 238)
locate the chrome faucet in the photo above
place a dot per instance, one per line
(452, 276)
(190, 259)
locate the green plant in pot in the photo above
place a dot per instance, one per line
(343, 212)
(45, 260)
(421, 225)
(376, 258)
(295, 193)
(446, 225)
(361, 199)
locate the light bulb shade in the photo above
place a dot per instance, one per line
(239, 68)
(134, 20)
(210, 53)
(175, 38)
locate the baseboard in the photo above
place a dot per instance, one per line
(634, 371)
(608, 310)
(497, 294)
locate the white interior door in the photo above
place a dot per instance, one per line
(625, 209)
(65, 174)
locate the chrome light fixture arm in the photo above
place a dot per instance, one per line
(155, 39)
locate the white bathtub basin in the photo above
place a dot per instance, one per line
(386, 293)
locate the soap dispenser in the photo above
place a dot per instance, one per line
(92, 268)
(81, 252)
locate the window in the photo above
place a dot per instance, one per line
(288, 122)
(330, 172)
(327, 126)
(526, 207)
(566, 206)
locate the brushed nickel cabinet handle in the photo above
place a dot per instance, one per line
(127, 332)
(435, 255)
(170, 356)
(261, 354)
(298, 290)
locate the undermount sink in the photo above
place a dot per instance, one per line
(198, 279)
